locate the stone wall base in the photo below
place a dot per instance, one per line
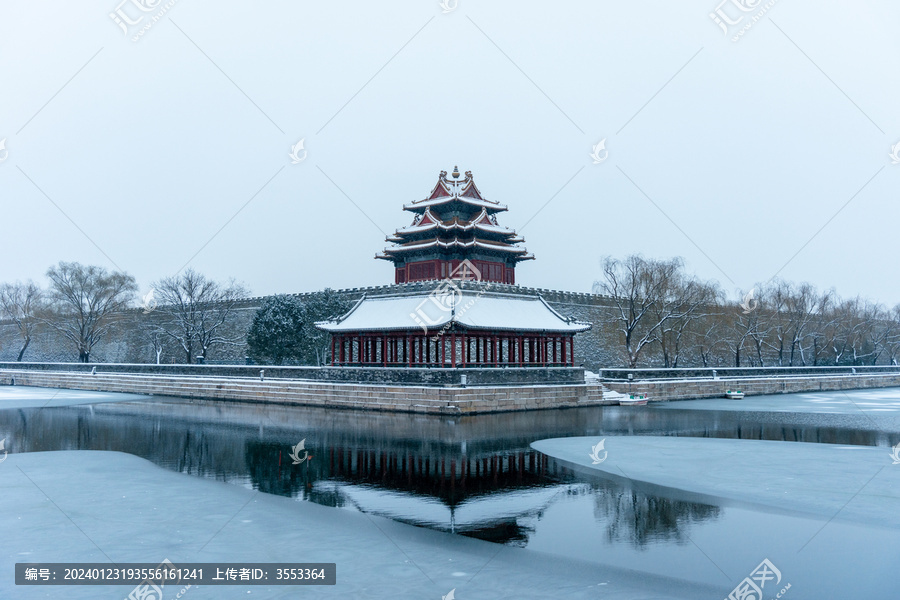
(689, 389)
(419, 399)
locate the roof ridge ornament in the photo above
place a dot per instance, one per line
(455, 172)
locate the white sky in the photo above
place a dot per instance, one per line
(749, 147)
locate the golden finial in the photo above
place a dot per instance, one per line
(455, 172)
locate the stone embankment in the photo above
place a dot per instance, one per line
(454, 400)
(429, 392)
(659, 390)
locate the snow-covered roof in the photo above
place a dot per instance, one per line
(455, 188)
(446, 304)
(481, 203)
(436, 243)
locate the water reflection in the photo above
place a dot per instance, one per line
(641, 519)
(475, 476)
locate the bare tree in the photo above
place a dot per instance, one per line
(153, 334)
(823, 327)
(21, 303)
(86, 301)
(648, 295)
(195, 311)
(684, 302)
(892, 341)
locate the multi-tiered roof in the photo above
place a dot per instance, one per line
(455, 223)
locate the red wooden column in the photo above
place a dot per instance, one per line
(544, 348)
(521, 347)
(464, 350)
(384, 353)
(453, 350)
(496, 347)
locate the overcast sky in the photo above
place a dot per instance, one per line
(765, 156)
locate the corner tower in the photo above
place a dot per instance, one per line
(452, 224)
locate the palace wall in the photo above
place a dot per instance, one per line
(127, 343)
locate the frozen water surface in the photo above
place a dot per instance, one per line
(714, 488)
(34, 397)
(818, 511)
(102, 506)
(884, 401)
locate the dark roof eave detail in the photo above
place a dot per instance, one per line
(418, 330)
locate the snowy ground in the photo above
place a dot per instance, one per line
(81, 506)
(873, 402)
(827, 515)
(35, 397)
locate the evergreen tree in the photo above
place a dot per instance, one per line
(276, 334)
(321, 306)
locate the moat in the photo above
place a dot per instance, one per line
(474, 476)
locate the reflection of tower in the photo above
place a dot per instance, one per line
(414, 477)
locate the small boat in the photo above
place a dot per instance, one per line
(634, 400)
(734, 394)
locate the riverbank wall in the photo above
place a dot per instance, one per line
(432, 391)
(665, 390)
(448, 400)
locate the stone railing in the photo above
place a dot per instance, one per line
(475, 376)
(744, 372)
